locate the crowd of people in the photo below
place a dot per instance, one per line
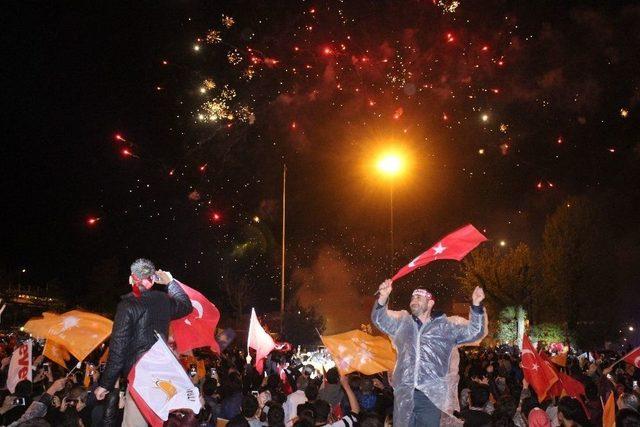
(292, 389)
(290, 392)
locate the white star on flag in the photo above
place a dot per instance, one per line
(69, 322)
(364, 353)
(439, 249)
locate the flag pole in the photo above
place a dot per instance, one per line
(284, 222)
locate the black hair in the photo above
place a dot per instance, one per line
(479, 395)
(369, 419)
(504, 412)
(333, 376)
(591, 389)
(275, 417)
(627, 418)
(322, 410)
(249, 406)
(311, 392)
(527, 405)
(238, 421)
(209, 387)
(303, 421)
(572, 410)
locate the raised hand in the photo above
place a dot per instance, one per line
(163, 277)
(477, 296)
(384, 290)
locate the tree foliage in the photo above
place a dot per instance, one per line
(302, 325)
(579, 270)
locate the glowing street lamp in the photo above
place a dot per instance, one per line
(391, 164)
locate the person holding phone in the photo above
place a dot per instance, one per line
(139, 315)
(15, 404)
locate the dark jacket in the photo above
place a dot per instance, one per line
(475, 418)
(135, 324)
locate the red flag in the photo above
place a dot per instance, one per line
(453, 246)
(539, 374)
(260, 341)
(566, 385)
(197, 329)
(633, 358)
(572, 387)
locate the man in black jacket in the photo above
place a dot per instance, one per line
(140, 314)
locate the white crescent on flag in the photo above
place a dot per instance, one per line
(534, 366)
(197, 307)
(636, 362)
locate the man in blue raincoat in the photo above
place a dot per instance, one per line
(426, 344)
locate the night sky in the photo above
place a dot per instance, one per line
(160, 129)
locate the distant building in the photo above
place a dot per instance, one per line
(23, 304)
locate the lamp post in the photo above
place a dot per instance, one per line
(390, 165)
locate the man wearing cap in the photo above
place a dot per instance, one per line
(140, 314)
(426, 343)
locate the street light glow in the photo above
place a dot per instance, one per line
(390, 164)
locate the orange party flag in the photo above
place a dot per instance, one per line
(358, 351)
(609, 412)
(56, 353)
(80, 332)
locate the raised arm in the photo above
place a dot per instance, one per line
(180, 302)
(384, 319)
(353, 400)
(475, 329)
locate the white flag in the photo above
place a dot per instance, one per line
(159, 385)
(20, 366)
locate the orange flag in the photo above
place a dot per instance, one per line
(559, 359)
(201, 368)
(39, 327)
(80, 332)
(104, 357)
(87, 375)
(56, 353)
(358, 351)
(609, 412)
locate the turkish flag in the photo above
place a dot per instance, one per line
(259, 340)
(453, 246)
(566, 385)
(197, 329)
(633, 358)
(539, 374)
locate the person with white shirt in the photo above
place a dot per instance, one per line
(293, 400)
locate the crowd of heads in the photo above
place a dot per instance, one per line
(492, 390)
